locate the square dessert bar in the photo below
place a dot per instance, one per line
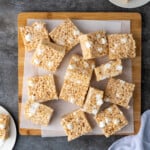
(79, 70)
(111, 120)
(4, 126)
(38, 113)
(48, 55)
(75, 124)
(109, 69)
(42, 88)
(93, 101)
(32, 35)
(119, 92)
(94, 44)
(73, 92)
(66, 34)
(121, 46)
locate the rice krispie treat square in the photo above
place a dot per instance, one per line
(119, 92)
(79, 70)
(94, 44)
(75, 124)
(66, 34)
(111, 120)
(121, 46)
(48, 55)
(4, 126)
(42, 88)
(38, 113)
(109, 69)
(32, 35)
(93, 101)
(73, 92)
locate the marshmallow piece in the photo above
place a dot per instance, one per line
(36, 61)
(39, 52)
(107, 66)
(28, 37)
(88, 44)
(119, 67)
(123, 40)
(71, 100)
(99, 101)
(117, 95)
(76, 32)
(50, 64)
(2, 126)
(69, 126)
(32, 97)
(71, 67)
(107, 120)
(107, 99)
(100, 49)
(30, 83)
(116, 121)
(103, 41)
(33, 109)
(38, 27)
(102, 124)
(94, 111)
(110, 110)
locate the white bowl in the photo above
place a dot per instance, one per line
(10, 142)
(130, 4)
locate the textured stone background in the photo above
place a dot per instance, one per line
(8, 65)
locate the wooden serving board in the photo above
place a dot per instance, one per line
(135, 19)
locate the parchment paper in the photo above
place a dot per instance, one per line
(61, 107)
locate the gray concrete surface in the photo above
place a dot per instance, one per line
(8, 66)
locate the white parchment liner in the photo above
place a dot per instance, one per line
(61, 107)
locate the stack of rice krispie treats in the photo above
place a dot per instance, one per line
(49, 50)
(4, 127)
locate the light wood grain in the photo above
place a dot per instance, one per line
(136, 62)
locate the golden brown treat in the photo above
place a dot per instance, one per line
(75, 124)
(4, 126)
(119, 92)
(42, 88)
(48, 55)
(93, 101)
(38, 113)
(109, 69)
(77, 80)
(121, 46)
(73, 92)
(111, 120)
(79, 70)
(32, 35)
(94, 44)
(66, 34)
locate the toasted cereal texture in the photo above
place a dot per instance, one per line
(75, 124)
(111, 120)
(79, 70)
(66, 34)
(38, 113)
(94, 44)
(31, 35)
(119, 92)
(73, 92)
(121, 46)
(4, 126)
(110, 69)
(93, 101)
(42, 88)
(48, 55)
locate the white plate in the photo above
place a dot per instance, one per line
(130, 4)
(10, 142)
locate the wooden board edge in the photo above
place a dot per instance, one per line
(27, 14)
